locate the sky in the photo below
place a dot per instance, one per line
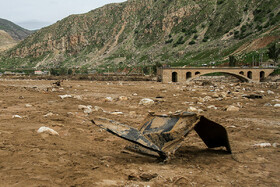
(35, 14)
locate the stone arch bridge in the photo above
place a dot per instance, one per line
(187, 74)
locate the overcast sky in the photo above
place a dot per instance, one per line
(35, 14)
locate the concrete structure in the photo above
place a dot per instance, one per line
(187, 74)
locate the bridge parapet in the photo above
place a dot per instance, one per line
(188, 74)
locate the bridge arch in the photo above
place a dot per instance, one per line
(238, 76)
(241, 72)
(197, 73)
(188, 75)
(262, 75)
(249, 74)
(174, 76)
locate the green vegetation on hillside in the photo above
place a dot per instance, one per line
(17, 32)
(145, 32)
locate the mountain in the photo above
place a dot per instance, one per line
(17, 32)
(145, 32)
(6, 41)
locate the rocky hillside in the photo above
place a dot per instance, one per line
(144, 32)
(6, 41)
(17, 32)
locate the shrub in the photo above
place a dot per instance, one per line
(192, 42)
(243, 28)
(219, 2)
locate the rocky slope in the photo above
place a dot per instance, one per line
(17, 32)
(6, 41)
(143, 32)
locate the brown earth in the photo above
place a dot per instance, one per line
(84, 155)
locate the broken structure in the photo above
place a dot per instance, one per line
(164, 134)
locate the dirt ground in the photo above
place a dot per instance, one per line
(84, 155)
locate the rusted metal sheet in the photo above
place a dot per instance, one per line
(163, 134)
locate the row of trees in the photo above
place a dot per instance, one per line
(272, 53)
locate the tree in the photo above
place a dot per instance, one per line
(232, 61)
(273, 52)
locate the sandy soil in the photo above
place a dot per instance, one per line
(84, 155)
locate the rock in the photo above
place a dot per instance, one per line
(87, 109)
(148, 176)
(192, 109)
(97, 108)
(263, 145)
(146, 102)
(207, 98)
(117, 113)
(108, 99)
(277, 105)
(16, 116)
(123, 98)
(47, 130)
(267, 104)
(135, 94)
(233, 109)
(78, 97)
(21, 97)
(212, 107)
(275, 145)
(132, 113)
(48, 114)
(82, 107)
(224, 94)
(270, 92)
(215, 95)
(65, 96)
(28, 105)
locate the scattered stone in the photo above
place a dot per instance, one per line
(132, 113)
(108, 99)
(135, 94)
(21, 97)
(123, 98)
(58, 83)
(212, 107)
(97, 108)
(47, 130)
(275, 145)
(263, 145)
(253, 96)
(117, 113)
(267, 104)
(87, 109)
(270, 92)
(207, 98)
(215, 95)
(192, 109)
(132, 177)
(146, 102)
(78, 97)
(28, 105)
(277, 105)
(65, 96)
(17, 116)
(233, 109)
(48, 114)
(147, 176)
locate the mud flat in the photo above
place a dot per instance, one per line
(81, 154)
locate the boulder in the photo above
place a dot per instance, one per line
(233, 109)
(65, 96)
(277, 105)
(108, 99)
(146, 101)
(47, 130)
